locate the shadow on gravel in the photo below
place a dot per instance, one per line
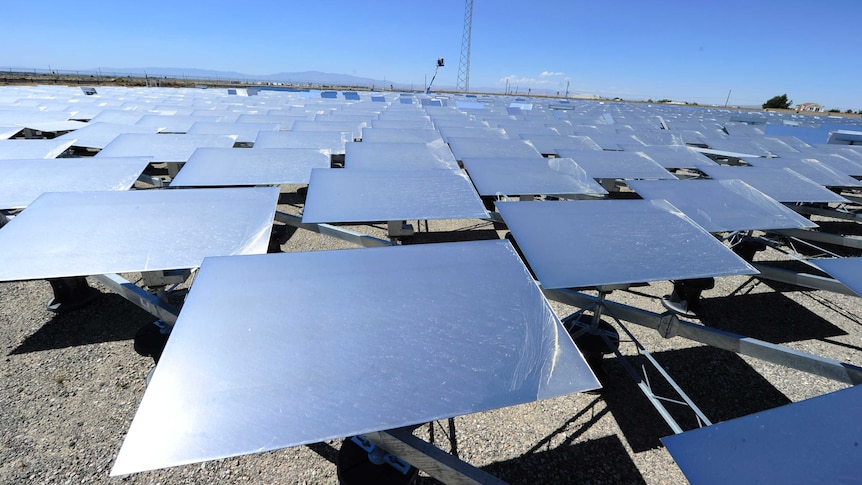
(772, 317)
(604, 460)
(325, 450)
(109, 318)
(719, 382)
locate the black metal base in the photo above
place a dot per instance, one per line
(685, 299)
(748, 248)
(151, 339)
(70, 293)
(678, 307)
(279, 235)
(355, 468)
(592, 345)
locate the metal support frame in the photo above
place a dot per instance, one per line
(397, 229)
(802, 279)
(823, 237)
(496, 217)
(174, 168)
(165, 277)
(430, 459)
(852, 197)
(453, 441)
(463, 82)
(354, 237)
(807, 238)
(826, 212)
(154, 181)
(157, 281)
(599, 307)
(669, 325)
(137, 295)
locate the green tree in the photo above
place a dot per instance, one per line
(778, 102)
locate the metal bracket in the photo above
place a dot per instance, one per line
(668, 325)
(379, 456)
(164, 278)
(400, 229)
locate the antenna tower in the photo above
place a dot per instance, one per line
(463, 83)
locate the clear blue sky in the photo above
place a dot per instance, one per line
(685, 50)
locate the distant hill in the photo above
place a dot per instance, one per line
(306, 77)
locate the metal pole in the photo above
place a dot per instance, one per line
(802, 279)
(334, 231)
(430, 459)
(149, 303)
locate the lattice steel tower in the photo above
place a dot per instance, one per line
(463, 83)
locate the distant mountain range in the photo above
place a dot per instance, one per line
(314, 78)
(306, 77)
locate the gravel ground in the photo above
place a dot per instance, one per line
(71, 384)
